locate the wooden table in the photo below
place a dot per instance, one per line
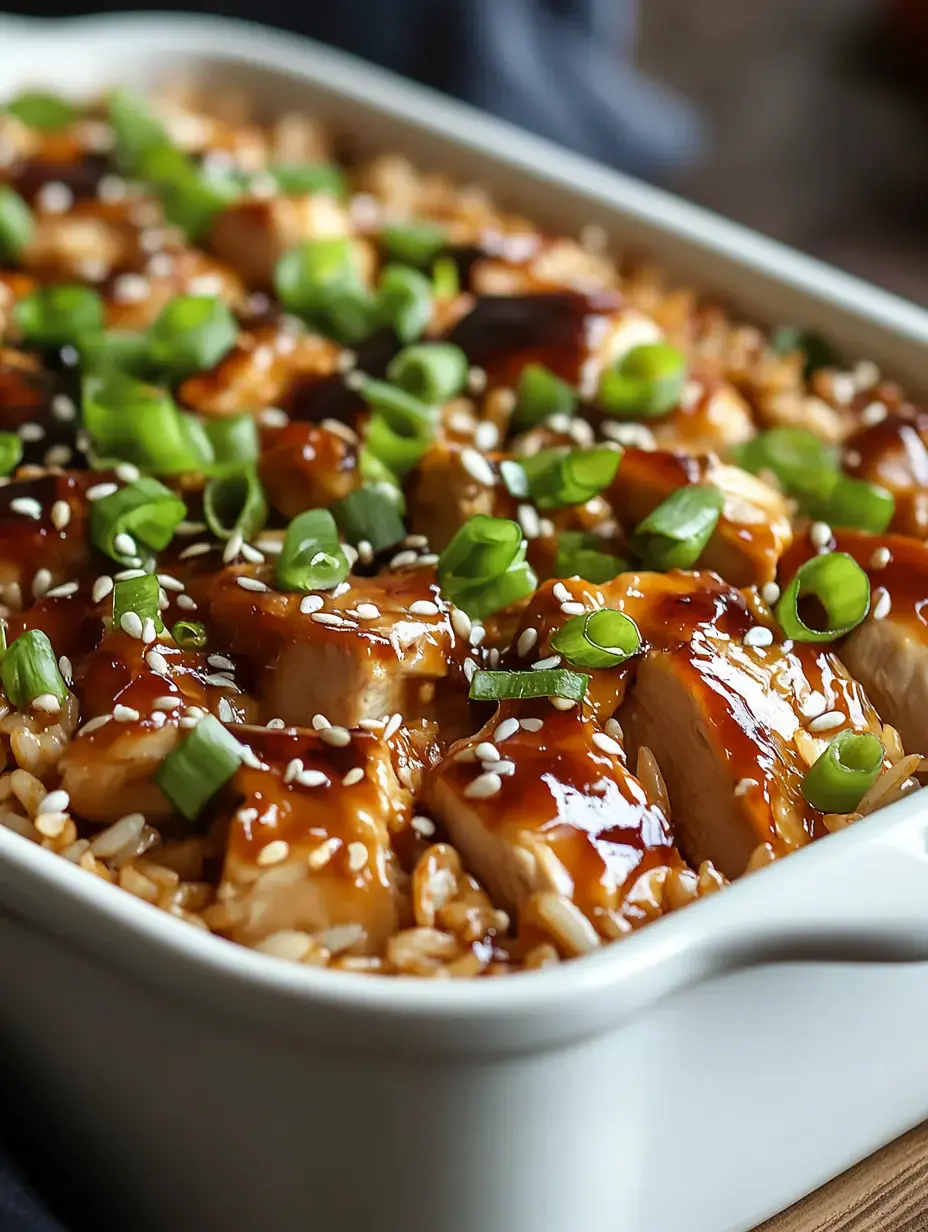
(886, 1193)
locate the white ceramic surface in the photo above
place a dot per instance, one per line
(695, 1078)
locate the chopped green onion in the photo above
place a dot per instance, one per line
(404, 302)
(119, 350)
(377, 474)
(483, 569)
(189, 634)
(58, 315)
(852, 504)
(556, 478)
(135, 129)
(200, 767)
(838, 780)
(139, 423)
(29, 668)
(308, 276)
(369, 514)
(446, 282)
(801, 461)
(517, 686)
(675, 534)
(16, 224)
(190, 197)
(145, 512)
(580, 554)
(433, 372)
(818, 353)
(312, 558)
(402, 427)
(416, 243)
(235, 504)
(233, 440)
(646, 382)
(539, 395)
(46, 112)
(139, 595)
(298, 179)
(841, 588)
(11, 452)
(192, 334)
(604, 638)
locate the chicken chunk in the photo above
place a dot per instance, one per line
(892, 453)
(253, 234)
(712, 418)
(134, 300)
(307, 466)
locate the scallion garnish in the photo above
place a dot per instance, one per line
(838, 780)
(298, 179)
(580, 554)
(29, 668)
(16, 224)
(369, 514)
(818, 353)
(801, 461)
(46, 112)
(139, 595)
(852, 504)
(233, 439)
(446, 281)
(135, 129)
(483, 569)
(57, 315)
(235, 504)
(200, 767)
(191, 334)
(11, 452)
(308, 277)
(539, 395)
(646, 382)
(312, 557)
(189, 634)
(556, 478)
(144, 514)
(115, 350)
(376, 474)
(433, 372)
(416, 243)
(402, 427)
(132, 421)
(404, 302)
(600, 639)
(842, 590)
(517, 686)
(675, 534)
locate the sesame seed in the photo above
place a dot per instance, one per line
(423, 607)
(826, 722)
(157, 662)
(487, 751)
(332, 619)
(197, 712)
(273, 417)
(67, 671)
(128, 575)
(70, 356)
(252, 555)
(631, 435)
(402, 559)
(190, 528)
(220, 661)
(507, 728)
(101, 490)
(124, 714)
(170, 583)
(294, 767)
(353, 776)
(275, 724)
(220, 681)
(195, 549)
(478, 467)
(63, 408)
(101, 588)
(573, 609)
(529, 521)
(484, 785)
(394, 723)
(760, 635)
(131, 623)
(232, 548)
(531, 725)
(28, 506)
(613, 728)
(320, 722)
(852, 457)
(476, 635)
(880, 558)
(47, 702)
(770, 593)
(528, 639)
(562, 703)
(429, 558)
(149, 632)
(41, 582)
(560, 592)
(504, 767)
(743, 786)
(346, 361)
(486, 436)
(874, 413)
(31, 433)
(368, 611)
(542, 665)
(64, 591)
(883, 605)
(365, 551)
(58, 455)
(820, 534)
(158, 718)
(54, 197)
(357, 856)
(606, 744)
(372, 725)
(338, 737)
(321, 855)
(93, 725)
(131, 288)
(423, 826)
(186, 603)
(312, 778)
(253, 584)
(275, 851)
(311, 603)
(124, 544)
(476, 380)
(470, 667)
(342, 430)
(493, 659)
(60, 514)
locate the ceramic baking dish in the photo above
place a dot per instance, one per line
(697, 1077)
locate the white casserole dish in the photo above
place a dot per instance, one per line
(697, 1077)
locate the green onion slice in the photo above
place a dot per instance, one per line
(841, 588)
(676, 533)
(604, 638)
(16, 224)
(299, 179)
(580, 554)
(404, 302)
(556, 478)
(189, 634)
(369, 514)
(29, 668)
(308, 277)
(801, 462)
(46, 112)
(433, 372)
(818, 353)
(139, 423)
(838, 780)
(446, 282)
(402, 427)
(646, 383)
(115, 350)
(483, 569)
(235, 504)
(233, 439)
(852, 504)
(54, 316)
(200, 767)
(417, 243)
(516, 686)
(11, 452)
(376, 474)
(138, 595)
(145, 512)
(312, 558)
(135, 129)
(191, 334)
(539, 395)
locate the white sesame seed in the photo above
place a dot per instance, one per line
(131, 623)
(476, 635)
(60, 514)
(67, 671)
(101, 588)
(332, 619)
(487, 751)
(573, 609)
(273, 417)
(58, 455)
(478, 467)
(149, 632)
(880, 558)
(484, 785)
(429, 558)
(70, 356)
(253, 556)
(54, 197)
(125, 714)
(157, 662)
(220, 680)
(320, 722)
(312, 778)
(613, 728)
(31, 433)
(101, 490)
(770, 593)
(883, 605)
(368, 611)
(507, 728)
(760, 635)
(197, 712)
(365, 551)
(606, 744)
(275, 725)
(131, 288)
(470, 668)
(528, 639)
(190, 528)
(504, 767)
(402, 559)
(127, 575)
(63, 408)
(47, 702)
(353, 776)
(542, 665)
(232, 548)
(531, 725)
(486, 436)
(124, 544)
(195, 549)
(311, 603)
(631, 435)
(41, 582)
(743, 786)
(186, 603)
(165, 703)
(338, 737)
(561, 593)
(493, 659)
(170, 583)
(28, 506)
(826, 722)
(423, 607)
(394, 723)
(321, 855)
(346, 361)
(874, 413)
(294, 767)
(357, 856)
(253, 584)
(476, 380)
(529, 521)
(220, 661)
(64, 591)
(275, 851)
(423, 826)
(187, 721)
(852, 457)
(562, 703)
(158, 718)
(93, 725)
(820, 534)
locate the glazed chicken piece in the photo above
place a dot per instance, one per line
(253, 234)
(371, 647)
(44, 539)
(134, 301)
(712, 418)
(542, 807)
(309, 845)
(308, 466)
(33, 406)
(890, 450)
(93, 241)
